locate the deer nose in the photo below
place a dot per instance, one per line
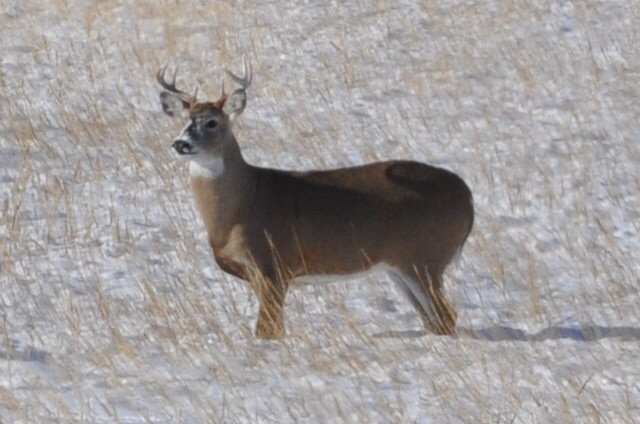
(183, 147)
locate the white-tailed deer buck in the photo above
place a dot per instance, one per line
(270, 227)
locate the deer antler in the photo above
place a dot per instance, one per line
(171, 87)
(244, 81)
(239, 96)
(223, 96)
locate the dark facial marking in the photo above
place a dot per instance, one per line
(192, 129)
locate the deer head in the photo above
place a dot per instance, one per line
(208, 132)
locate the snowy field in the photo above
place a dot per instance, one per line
(112, 309)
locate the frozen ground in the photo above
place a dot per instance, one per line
(112, 310)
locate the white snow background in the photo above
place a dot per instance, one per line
(112, 309)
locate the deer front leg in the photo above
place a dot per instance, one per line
(270, 324)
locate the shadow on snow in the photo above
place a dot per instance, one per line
(587, 333)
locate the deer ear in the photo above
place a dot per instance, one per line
(173, 105)
(238, 99)
(235, 104)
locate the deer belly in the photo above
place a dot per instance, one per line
(319, 278)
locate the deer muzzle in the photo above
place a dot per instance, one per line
(183, 147)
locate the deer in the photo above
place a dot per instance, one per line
(274, 227)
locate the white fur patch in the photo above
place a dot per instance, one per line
(326, 278)
(210, 169)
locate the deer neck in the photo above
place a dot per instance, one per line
(223, 187)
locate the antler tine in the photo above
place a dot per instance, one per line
(248, 72)
(223, 95)
(175, 75)
(250, 76)
(172, 86)
(160, 77)
(245, 80)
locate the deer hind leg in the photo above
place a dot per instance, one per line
(424, 291)
(271, 293)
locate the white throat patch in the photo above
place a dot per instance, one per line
(209, 169)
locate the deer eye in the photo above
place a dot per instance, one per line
(211, 124)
